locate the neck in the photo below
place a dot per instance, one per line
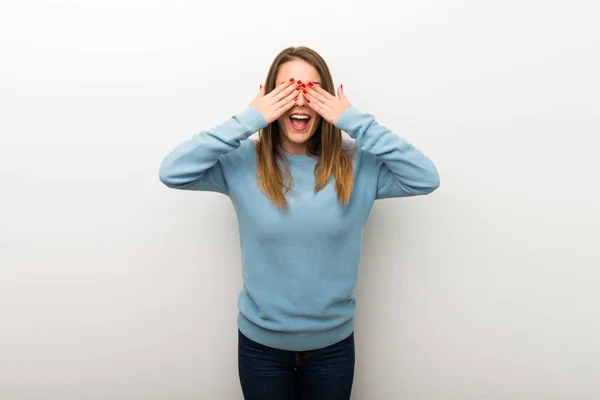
(294, 148)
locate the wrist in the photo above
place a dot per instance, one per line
(348, 121)
(253, 118)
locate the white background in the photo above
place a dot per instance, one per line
(113, 286)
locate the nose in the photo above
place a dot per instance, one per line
(301, 102)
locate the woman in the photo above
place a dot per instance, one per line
(302, 195)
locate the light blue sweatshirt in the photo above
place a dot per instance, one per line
(299, 266)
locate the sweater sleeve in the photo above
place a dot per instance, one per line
(197, 164)
(402, 170)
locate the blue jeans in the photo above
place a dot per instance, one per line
(267, 373)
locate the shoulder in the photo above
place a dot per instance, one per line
(349, 147)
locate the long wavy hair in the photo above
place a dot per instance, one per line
(326, 145)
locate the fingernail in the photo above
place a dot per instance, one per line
(304, 91)
(342, 85)
(310, 84)
(303, 85)
(261, 86)
(295, 99)
(307, 100)
(298, 88)
(291, 79)
(299, 82)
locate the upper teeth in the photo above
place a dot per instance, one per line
(300, 116)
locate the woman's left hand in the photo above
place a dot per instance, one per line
(325, 104)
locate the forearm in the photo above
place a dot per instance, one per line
(189, 161)
(404, 167)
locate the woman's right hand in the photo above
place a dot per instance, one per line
(277, 102)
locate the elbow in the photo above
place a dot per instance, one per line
(166, 176)
(172, 176)
(432, 183)
(435, 181)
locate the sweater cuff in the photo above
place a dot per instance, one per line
(253, 119)
(349, 121)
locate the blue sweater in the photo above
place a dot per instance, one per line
(299, 266)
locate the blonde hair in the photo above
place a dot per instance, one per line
(326, 144)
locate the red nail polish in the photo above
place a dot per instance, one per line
(310, 84)
(304, 91)
(291, 79)
(299, 82)
(298, 88)
(307, 100)
(342, 86)
(295, 99)
(261, 86)
(303, 85)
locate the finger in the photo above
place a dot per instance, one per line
(287, 102)
(314, 91)
(282, 86)
(286, 92)
(312, 98)
(286, 106)
(341, 93)
(319, 89)
(316, 105)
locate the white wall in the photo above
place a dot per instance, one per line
(114, 287)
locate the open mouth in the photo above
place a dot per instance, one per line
(299, 121)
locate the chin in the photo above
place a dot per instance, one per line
(298, 138)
